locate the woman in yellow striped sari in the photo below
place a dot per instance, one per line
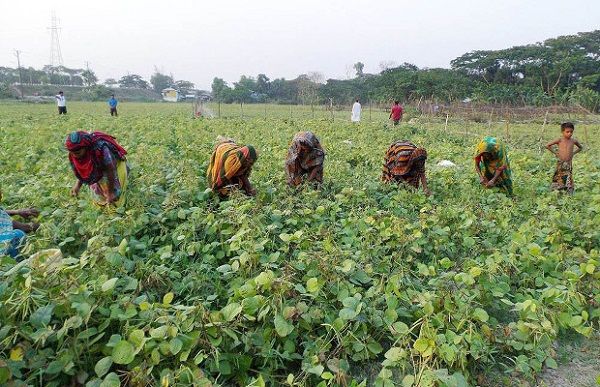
(230, 167)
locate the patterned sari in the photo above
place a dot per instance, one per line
(103, 154)
(497, 158)
(404, 162)
(228, 163)
(305, 158)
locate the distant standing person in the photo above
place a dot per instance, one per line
(61, 102)
(563, 176)
(396, 113)
(112, 103)
(356, 112)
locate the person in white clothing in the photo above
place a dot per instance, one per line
(356, 112)
(61, 102)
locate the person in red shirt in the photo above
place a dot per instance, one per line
(396, 113)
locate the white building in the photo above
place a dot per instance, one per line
(170, 95)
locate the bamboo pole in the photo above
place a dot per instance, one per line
(446, 123)
(542, 131)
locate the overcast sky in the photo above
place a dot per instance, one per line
(198, 40)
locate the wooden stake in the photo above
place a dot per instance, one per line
(542, 131)
(446, 124)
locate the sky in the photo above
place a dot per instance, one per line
(198, 40)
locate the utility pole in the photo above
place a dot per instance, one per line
(18, 55)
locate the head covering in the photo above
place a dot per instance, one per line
(402, 158)
(306, 150)
(489, 145)
(498, 158)
(89, 167)
(227, 160)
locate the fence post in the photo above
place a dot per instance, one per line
(542, 131)
(446, 124)
(219, 109)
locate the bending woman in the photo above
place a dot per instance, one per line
(230, 167)
(405, 162)
(304, 159)
(12, 233)
(99, 161)
(492, 166)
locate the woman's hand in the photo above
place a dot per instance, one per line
(483, 180)
(29, 213)
(75, 189)
(31, 227)
(111, 198)
(490, 183)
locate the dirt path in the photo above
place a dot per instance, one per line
(579, 364)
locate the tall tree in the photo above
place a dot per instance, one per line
(263, 84)
(89, 77)
(133, 81)
(110, 82)
(161, 81)
(184, 87)
(220, 90)
(359, 67)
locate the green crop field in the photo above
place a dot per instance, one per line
(357, 283)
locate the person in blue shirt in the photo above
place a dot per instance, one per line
(12, 232)
(112, 103)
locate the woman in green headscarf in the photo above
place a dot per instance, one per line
(492, 166)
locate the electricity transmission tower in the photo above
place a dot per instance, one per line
(56, 58)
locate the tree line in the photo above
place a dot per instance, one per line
(64, 76)
(560, 70)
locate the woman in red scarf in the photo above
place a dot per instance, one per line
(99, 161)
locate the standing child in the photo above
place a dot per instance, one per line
(112, 103)
(563, 176)
(396, 113)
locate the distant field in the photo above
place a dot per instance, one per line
(358, 282)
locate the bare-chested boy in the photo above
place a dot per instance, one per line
(563, 176)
